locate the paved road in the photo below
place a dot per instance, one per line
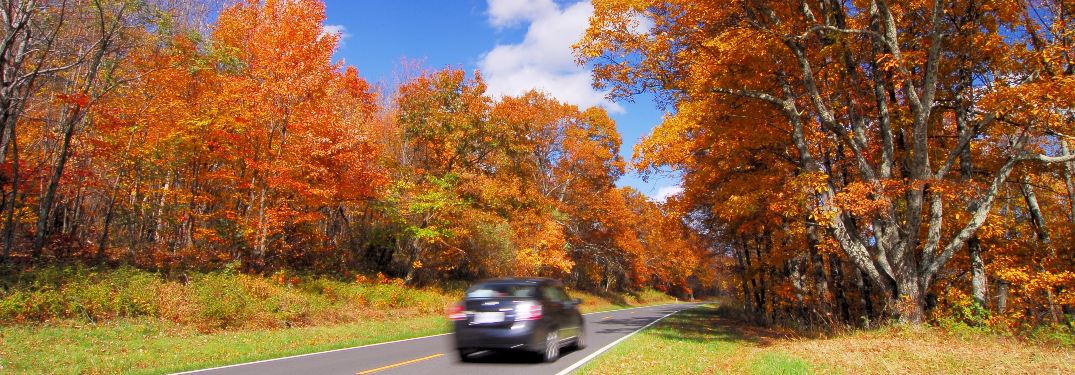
(436, 355)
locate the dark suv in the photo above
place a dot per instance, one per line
(531, 314)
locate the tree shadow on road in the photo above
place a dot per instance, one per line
(517, 357)
(709, 323)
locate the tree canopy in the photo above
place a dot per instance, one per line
(134, 133)
(868, 151)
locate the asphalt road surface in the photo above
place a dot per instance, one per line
(436, 354)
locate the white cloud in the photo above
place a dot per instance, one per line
(543, 60)
(664, 192)
(640, 24)
(503, 13)
(336, 29)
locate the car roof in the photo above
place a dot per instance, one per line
(521, 281)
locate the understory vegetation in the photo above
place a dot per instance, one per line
(208, 301)
(229, 300)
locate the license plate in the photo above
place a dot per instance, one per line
(488, 317)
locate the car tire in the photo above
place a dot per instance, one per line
(464, 355)
(552, 347)
(580, 340)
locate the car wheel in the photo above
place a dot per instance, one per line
(464, 355)
(580, 340)
(552, 346)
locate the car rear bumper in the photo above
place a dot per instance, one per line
(521, 336)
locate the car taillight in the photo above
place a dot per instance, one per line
(527, 311)
(455, 312)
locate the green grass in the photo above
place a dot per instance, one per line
(778, 363)
(693, 341)
(158, 347)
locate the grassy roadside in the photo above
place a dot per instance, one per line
(144, 346)
(702, 341)
(151, 346)
(130, 322)
(592, 303)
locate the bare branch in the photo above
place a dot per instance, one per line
(818, 28)
(1048, 159)
(750, 94)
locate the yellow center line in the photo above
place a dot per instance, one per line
(404, 363)
(607, 317)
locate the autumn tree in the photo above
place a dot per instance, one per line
(177, 134)
(245, 141)
(519, 185)
(58, 58)
(902, 123)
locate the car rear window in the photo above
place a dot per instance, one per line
(501, 290)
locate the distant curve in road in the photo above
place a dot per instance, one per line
(436, 354)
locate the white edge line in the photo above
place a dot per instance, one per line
(609, 346)
(376, 344)
(307, 354)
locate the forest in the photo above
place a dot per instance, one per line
(187, 135)
(852, 162)
(843, 163)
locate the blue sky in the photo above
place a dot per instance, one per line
(517, 45)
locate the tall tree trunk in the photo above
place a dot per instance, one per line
(821, 287)
(866, 298)
(45, 207)
(262, 235)
(743, 259)
(1069, 180)
(1040, 227)
(9, 226)
(839, 282)
(73, 117)
(979, 282)
(158, 225)
(102, 244)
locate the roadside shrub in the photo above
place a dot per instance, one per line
(78, 293)
(221, 301)
(125, 292)
(226, 299)
(1061, 335)
(176, 303)
(648, 296)
(32, 305)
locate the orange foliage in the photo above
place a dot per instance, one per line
(246, 145)
(860, 157)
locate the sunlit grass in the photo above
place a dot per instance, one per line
(703, 341)
(693, 341)
(145, 346)
(931, 350)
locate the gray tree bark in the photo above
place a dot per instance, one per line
(73, 117)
